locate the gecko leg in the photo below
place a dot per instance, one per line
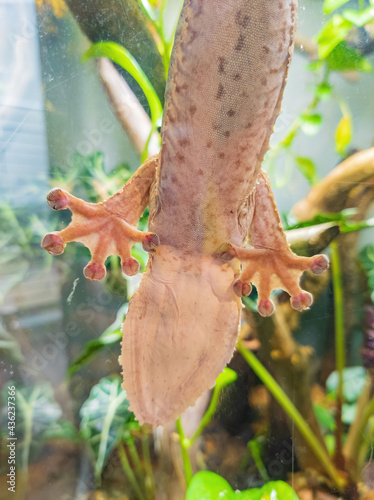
(106, 228)
(270, 263)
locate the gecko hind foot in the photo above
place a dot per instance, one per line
(269, 270)
(102, 231)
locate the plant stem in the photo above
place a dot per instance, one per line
(256, 454)
(365, 409)
(134, 457)
(148, 465)
(207, 416)
(185, 444)
(128, 471)
(293, 413)
(339, 345)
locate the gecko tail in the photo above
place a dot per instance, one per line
(180, 332)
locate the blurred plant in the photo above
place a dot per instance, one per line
(107, 423)
(337, 53)
(38, 419)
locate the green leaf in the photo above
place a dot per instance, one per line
(353, 383)
(36, 411)
(104, 416)
(344, 58)
(307, 168)
(349, 413)
(121, 56)
(324, 417)
(359, 18)
(62, 429)
(311, 123)
(331, 5)
(207, 485)
(275, 490)
(332, 33)
(343, 134)
(112, 335)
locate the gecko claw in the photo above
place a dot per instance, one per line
(225, 252)
(320, 264)
(130, 266)
(94, 272)
(302, 301)
(57, 199)
(242, 289)
(265, 307)
(53, 243)
(150, 242)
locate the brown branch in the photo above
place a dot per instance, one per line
(332, 193)
(128, 110)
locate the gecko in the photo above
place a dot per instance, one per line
(214, 229)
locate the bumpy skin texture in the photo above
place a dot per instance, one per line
(225, 85)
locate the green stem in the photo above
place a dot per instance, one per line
(207, 416)
(128, 470)
(365, 410)
(339, 341)
(256, 454)
(185, 444)
(148, 465)
(293, 413)
(134, 456)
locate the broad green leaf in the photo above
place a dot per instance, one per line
(359, 18)
(311, 123)
(36, 411)
(62, 429)
(332, 33)
(343, 134)
(324, 417)
(349, 413)
(206, 485)
(274, 490)
(307, 168)
(226, 378)
(331, 5)
(121, 56)
(344, 58)
(104, 416)
(353, 382)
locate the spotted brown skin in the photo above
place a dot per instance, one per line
(214, 227)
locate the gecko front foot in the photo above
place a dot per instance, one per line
(269, 270)
(106, 228)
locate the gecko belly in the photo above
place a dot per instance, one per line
(179, 334)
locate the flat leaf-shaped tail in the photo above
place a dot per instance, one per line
(179, 334)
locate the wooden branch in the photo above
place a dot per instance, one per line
(128, 110)
(333, 191)
(311, 240)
